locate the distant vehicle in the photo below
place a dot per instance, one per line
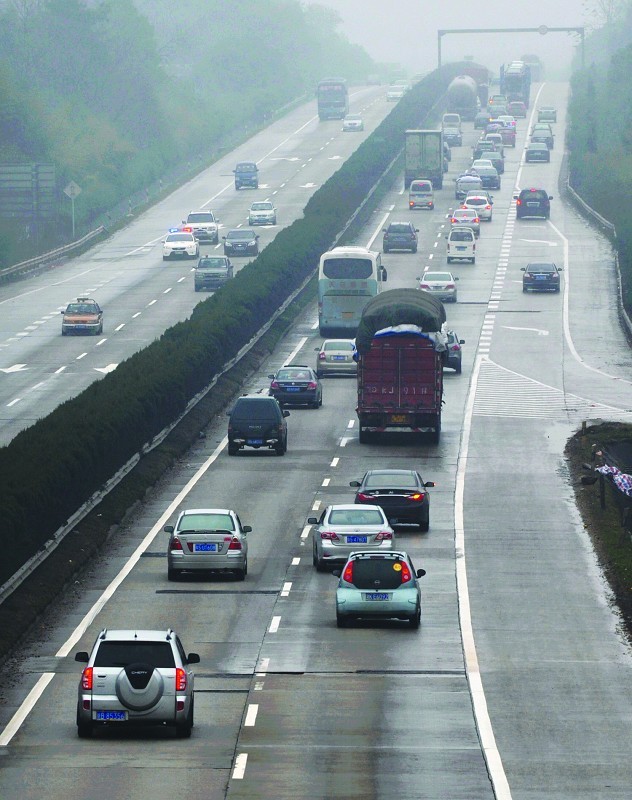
(262, 212)
(246, 174)
(332, 98)
(541, 277)
(204, 224)
(515, 81)
(211, 273)
(453, 137)
(461, 245)
(481, 204)
(353, 122)
(182, 244)
(335, 357)
(395, 93)
(481, 147)
(547, 114)
(541, 132)
(346, 529)
(400, 236)
(466, 218)
(454, 352)
(497, 161)
(341, 270)
(441, 285)
(83, 316)
(537, 151)
(497, 100)
(373, 80)
(401, 493)
(462, 96)
(497, 139)
(533, 202)
(490, 178)
(424, 157)
(296, 384)
(258, 422)
(481, 119)
(205, 540)
(517, 108)
(451, 120)
(465, 184)
(395, 576)
(421, 195)
(241, 242)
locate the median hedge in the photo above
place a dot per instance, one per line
(52, 468)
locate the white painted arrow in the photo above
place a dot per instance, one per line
(539, 241)
(105, 370)
(534, 330)
(14, 368)
(335, 158)
(307, 186)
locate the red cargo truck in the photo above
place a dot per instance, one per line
(400, 365)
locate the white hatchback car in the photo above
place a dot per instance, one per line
(180, 244)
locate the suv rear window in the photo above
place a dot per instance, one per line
(120, 654)
(534, 194)
(398, 228)
(367, 571)
(251, 408)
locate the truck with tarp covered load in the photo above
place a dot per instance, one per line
(400, 350)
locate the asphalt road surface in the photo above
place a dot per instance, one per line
(518, 683)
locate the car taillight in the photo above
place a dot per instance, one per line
(411, 204)
(476, 219)
(424, 286)
(453, 220)
(181, 680)
(455, 347)
(418, 496)
(235, 544)
(274, 385)
(384, 536)
(311, 385)
(86, 679)
(487, 207)
(365, 498)
(518, 202)
(449, 286)
(330, 536)
(175, 544)
(322, 356)
(187, 229)
(347, 575)
(406, 576)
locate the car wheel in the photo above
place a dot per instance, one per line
(473, 260)
(424, 524)
(449, 260)
(524, 289)
(232, 450)
(457, 369)
(183, 731)
(173, 574)
(341, 621)
(281, 450)
(414, 250)
(415, 620)
(165, 258)
(84, 729)
(319, 374)
(240, 574)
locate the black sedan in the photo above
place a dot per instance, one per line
(537, 151)
(241, 242)
(296, 384)
(543, 276)
(401, 493)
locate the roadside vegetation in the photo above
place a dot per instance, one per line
(115, 93)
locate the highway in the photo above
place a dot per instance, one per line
(518, 683)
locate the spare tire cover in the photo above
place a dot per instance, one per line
(139, 686)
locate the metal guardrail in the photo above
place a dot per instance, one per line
(25, 267)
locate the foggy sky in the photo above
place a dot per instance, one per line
(405, 31)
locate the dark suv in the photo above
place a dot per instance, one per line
(256, 421)
(400, 236)
(533, 203)
(246, 174)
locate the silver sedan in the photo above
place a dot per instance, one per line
(346, 529)
(205, 539)
(467, 217)
(335, 357)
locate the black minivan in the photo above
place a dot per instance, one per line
(533, 203)
(256, 421)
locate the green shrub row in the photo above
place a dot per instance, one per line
(52, 468)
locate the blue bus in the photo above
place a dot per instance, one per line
(332, 96)
(348, 277)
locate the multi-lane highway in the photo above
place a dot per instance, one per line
(518, 684)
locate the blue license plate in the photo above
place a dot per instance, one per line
(540, 277)
(356, 539)
(377, 596)
(254, 441)
(340, 358)
(292, 388)
(460, 247)
(112, 716)
(205, 547)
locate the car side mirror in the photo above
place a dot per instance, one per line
(246, 529)
(336, 573)
(560, 269)
(317, 349)
(193, 658)
(286, 413)
(456, 277)
(223, 237)
(356, 484)
(523, 269)
(62, 311)
(420, 573)
(312, 520)
(168, 529)
(461, 341)
(429, 484)
(82, 656)
(550, 197)
(271, 377)
(384, 275)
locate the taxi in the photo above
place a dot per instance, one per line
(82, 316)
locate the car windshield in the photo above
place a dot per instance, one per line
(475, 201)
(387, 481)
(399, 228)
(179, 237)
(440, 277)
(213, 263)
(338, 346)
(240, 234)
(121, 654)
(374, 573)
(354, 516)
(201, 217)
(540, 267)
(261, 206)
(293, 375)
(206, 522)
(462, 235)
(81, 308)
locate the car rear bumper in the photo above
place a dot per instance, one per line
(234, 559)
(341, 552)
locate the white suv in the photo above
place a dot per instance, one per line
(205, 225)
(136, 677)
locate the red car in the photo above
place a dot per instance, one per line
(517, 108)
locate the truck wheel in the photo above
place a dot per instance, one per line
(363, 435)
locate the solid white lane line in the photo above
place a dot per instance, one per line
(378, 230)
(334, 462)
(296, 350)
(274, 625)
(251, 715)
(25, 709)
(287, 588)
(344, 440)
(240, 766)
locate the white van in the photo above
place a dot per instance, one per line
(450, 120)
(420, 194)
(461, 245)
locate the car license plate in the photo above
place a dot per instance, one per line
(111, 716)
(461, 247)
(340, 358)
(347, 315)
(205, 547)
(377, 596)
(532, 205)
(398, 417)
(292, 388)
(254, 441)
(540, 277)
(356, 539)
